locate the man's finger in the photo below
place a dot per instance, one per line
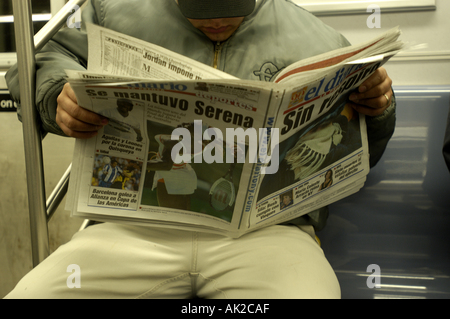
(71, 126)
(75, 134)
(376, 85)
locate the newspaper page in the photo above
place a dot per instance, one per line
(323, 151)
(323, 148)
(126, 172)
(190, 153)
(385, 45)
(114, 53)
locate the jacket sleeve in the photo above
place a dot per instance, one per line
(379, 131)
(446, 148)
(66, 51)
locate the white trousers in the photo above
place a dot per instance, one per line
(122, 261)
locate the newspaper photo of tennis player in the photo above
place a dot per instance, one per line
(197, 186)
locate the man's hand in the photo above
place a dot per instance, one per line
(374, 96)
(73, 119)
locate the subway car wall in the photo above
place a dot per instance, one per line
(41, 14)
(6, 102)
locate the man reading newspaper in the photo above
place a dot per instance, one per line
(251, 40)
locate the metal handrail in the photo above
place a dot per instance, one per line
(58, 194)
(27, 46)
(55, 23)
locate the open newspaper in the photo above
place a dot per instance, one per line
(190, 147)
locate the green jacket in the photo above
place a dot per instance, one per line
(274, 36)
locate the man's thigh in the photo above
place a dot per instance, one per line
(112, 261)
(117, 261)
(274, 262)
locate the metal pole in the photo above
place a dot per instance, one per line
(40, 39)
(40, 211)
(31, 132)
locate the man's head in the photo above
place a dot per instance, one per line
(215, 9)
(286, 199)
(124, 106)
(217, 19)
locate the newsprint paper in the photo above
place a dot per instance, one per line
(190, 147)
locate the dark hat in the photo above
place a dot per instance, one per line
(212, 9)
